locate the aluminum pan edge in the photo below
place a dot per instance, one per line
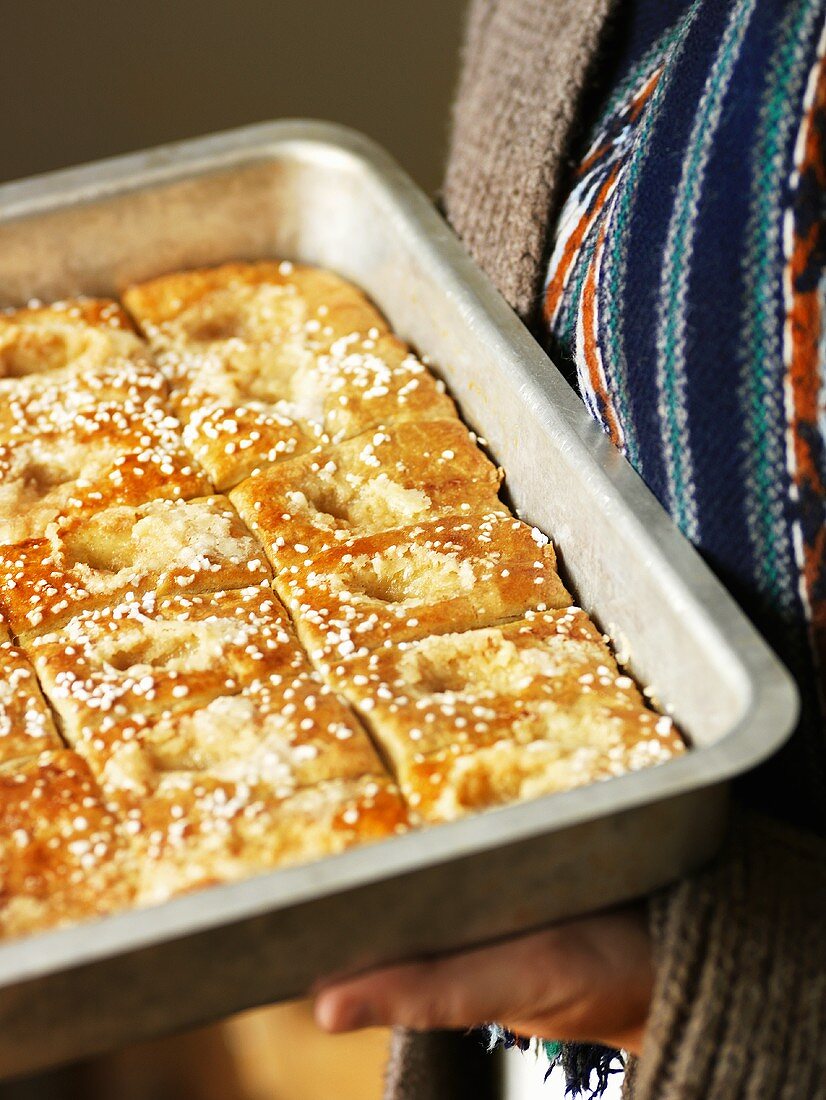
(769, 697)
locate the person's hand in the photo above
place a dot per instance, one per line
(586, 980)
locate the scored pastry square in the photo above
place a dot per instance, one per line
(238, 344)
(264, 357)
(163, 546)
(150, 657)
(62, 848)
(60, 361)
(76, 334)
(451, 574)
(385, 478)
(26, 724)
(107, 455)
(288, 731)
(504, 713)
(229, 310)
(195, 829)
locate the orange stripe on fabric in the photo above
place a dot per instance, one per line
(804, 333)
(590, 345)
(634, 110)
(556, 287)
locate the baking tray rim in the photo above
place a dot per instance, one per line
(769, 701)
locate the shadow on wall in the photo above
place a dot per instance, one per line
(82, 81)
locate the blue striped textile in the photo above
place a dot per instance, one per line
(685, 296)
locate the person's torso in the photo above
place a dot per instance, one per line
(685, 295)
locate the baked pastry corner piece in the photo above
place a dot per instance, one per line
(195, 830)
(26, 724)
(61, 847)
(103, 456)
(535, 706)
(82, 418)
(163, 546)
(455, 573)
(148, 659)
(58, 360)
(238, 344)
(386, 478)
(264, 358)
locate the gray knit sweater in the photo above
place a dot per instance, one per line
(739, 1007)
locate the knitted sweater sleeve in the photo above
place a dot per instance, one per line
(524, 67)
(739, 1007)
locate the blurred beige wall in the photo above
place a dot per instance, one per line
(89, 79)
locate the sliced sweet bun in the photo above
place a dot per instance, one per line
(455, 573)
(245, 345)
(149, 658)
(534, 706)
(247, 332)
(233, 441)
(196, 830)
(58, 358)
(288, 730)
(163, 547)
(203, 300)
(108, 456)
(368, 381)
(386, 478)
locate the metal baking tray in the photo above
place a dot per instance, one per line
(325, 195)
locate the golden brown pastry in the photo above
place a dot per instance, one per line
(509, 712)
(82, 421)
(384, 479)
(164, 546)
(61, 360)
(106, 457)
(239, 345)
(214, 731)
(263, 359)
(61, 847)
(450, 574)
(214, 683)
(150, 657)
(232, 441)
(368, 381)
(288, 730)
(264, 302)
(195, 830)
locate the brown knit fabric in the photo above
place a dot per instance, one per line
(739, 1007)
(526, 63)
